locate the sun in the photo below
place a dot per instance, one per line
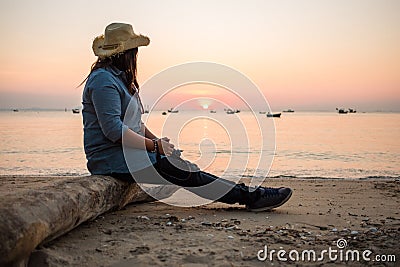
(205, 106)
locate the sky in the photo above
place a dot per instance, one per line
(304, 55)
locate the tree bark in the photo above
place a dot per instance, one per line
(35, 210)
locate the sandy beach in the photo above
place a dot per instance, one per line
(299, 94)
(364, 213)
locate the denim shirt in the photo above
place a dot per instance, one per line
(105, 100)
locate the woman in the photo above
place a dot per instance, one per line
(109, 89)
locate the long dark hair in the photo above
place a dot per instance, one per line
(125, 62)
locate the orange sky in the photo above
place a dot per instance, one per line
(312, 55)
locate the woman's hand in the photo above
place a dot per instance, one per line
(166, 139)
(165, 147)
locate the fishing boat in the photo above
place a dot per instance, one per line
(262, 112)
(15, 110)
(213, 111)
(341, 111)
(75, 110)
(352, 110)
(164, 113)
(229, 111)
(288, 110)
(171, 110)
(275, 115)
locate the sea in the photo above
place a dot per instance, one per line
(248, 144)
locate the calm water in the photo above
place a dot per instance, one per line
(307, 144)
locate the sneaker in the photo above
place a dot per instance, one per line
(270, 198)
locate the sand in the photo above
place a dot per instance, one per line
(365, 213)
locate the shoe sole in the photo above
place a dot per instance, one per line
(273, 207)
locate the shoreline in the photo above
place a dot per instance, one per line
(365, 213)
(277, 177)
(331, 110)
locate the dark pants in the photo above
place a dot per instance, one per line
(221, 190)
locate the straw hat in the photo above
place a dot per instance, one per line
(117, 38)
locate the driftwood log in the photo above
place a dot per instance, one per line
(35, 210)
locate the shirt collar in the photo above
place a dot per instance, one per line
(114, 70)
(120, 74)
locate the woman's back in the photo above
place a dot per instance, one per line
(105, 100)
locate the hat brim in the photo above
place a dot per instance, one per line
(102, 52)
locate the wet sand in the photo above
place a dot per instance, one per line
(365, 213)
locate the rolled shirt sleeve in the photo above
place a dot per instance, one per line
(107, 104)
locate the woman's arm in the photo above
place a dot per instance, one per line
(135, 140)
(148, 133)
(107, 104)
